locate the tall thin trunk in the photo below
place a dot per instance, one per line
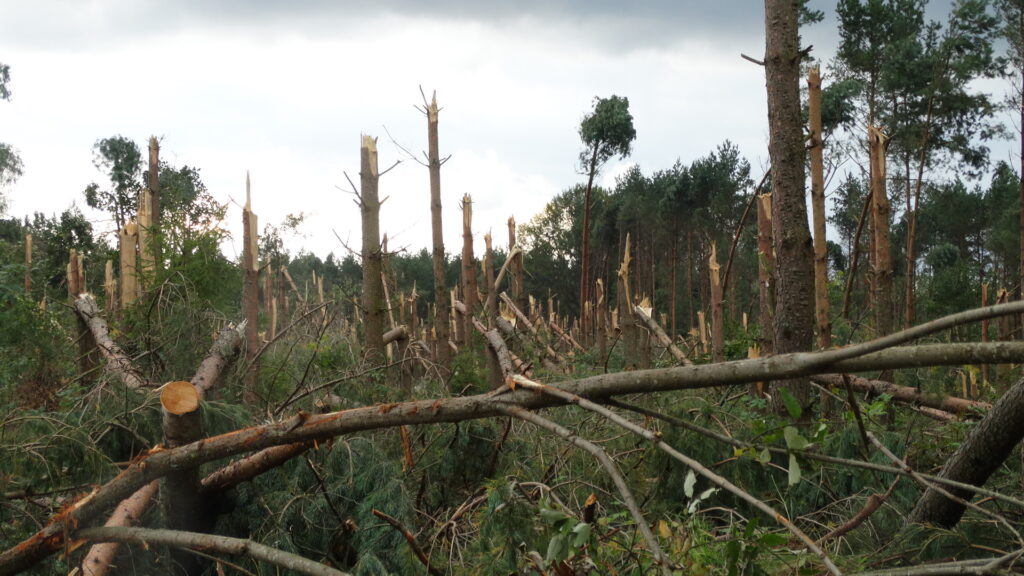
(442, 307)
(765, 269)
(794, 257)
(585, 253)
(373, 299)
(250, 296)
(154, 206)
(717, 317)
(494, 369)
(910, 315)
(882, 300)
(516, 269)
(673, 290)
(28, 265)
(469, 284)
(626, 322)
(127, 239)
(689, 278)
(818, 210)
(1020, 269)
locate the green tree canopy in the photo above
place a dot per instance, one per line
(121, 160)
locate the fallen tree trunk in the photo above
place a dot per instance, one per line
(118, 362)
(659, 333)
(128, 513)
(981, 454)
(906, 394)
(305, 428)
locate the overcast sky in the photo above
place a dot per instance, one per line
(284, 90)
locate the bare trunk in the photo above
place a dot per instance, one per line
(373, 299)
(855, 256)
(127, 239)
(154, 191)
(765, 271)
(470, 289)
(882, 300)
(794, 257)
(717, 318)
(250, 297)
(585, 252)
(442, 306)
(495, 369)
(626, 323)
(118, 362)
(518, 283)
(818, 210)
(28, 264)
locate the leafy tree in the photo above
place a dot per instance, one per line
(11, 167)
(606, 132)
(121, 160)
(1011, 14)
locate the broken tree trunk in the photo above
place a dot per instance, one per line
(373, 299)
(765, 271)
(118, 362)
(145, 243)
(469, 284)
(905, 394)
(882, 297)
(717, 316)
(128, 513)
(128, 239)
(626, 322)
(983, 452)
(518, 287)
(659, 333)
(818, 210)
(154, 196)
(250, 298)
(442, 306)
(88, 357)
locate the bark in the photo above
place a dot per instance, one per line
(518, 285)
(522, 320)
(88, 356)
(717, 317)
(373, 299)
(306, 428)
(247, 468)
(499, 353)
(442, 307)
(28, 264)
(794, 271)
(154, 197)
(127, 239)
(223, 350)
(659, 333)
(585, 252)
(602, 321)
(210, 543)
(855, 250)
(818, 210)
(765, 271)
(882, 297)
(183, 506)
(494, 368)
(469, 284)
(291, 283)
(626, 323)
(906, 394)
(118, 362)
(109, 287)
(250, 297)
(983, 452)
(145, 242)
(128, 513)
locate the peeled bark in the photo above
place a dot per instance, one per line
(373, 298)
(442, 306)
(882, 297)
(250, 297)
(794, 270)
(118, 362)
(988, 445)
(818, 210)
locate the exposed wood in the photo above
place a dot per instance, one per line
(518, 283)
(818, 209)
(882, 297)
(442, 307)
(625, 302)
(209, 543)
(118, 362)
(373, 299)
(469, 283)
(984, 337)
(717, 316)
(498, 348)
(765, 271)
(602, 320)
(307, 428)
(250, 297)
(522, 320)
(295, 289)
(128, 513)
(127, 240)
(179, 397)
(659, 333)
(109, 287)
(145, 241)
(223, 350)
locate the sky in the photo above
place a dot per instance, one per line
(284, 90)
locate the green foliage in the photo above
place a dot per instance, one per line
(120, 160)
(606, 132)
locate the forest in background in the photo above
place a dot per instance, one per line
(741, 384)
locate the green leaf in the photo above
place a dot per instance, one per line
(689, 483)
(791, 404)
(794, 441)
(557, 549)
(551, 516)
(581, 534)
(772, 539)
(764, 457)
(794, 470)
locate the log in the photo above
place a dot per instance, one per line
(224, 349)
(128, 513)
(906, 394)
(118, 362)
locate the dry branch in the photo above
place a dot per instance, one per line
(411, 539)
(208, 542)
(117, 361)
(659, 333)
(304, 428)
(905, 394)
